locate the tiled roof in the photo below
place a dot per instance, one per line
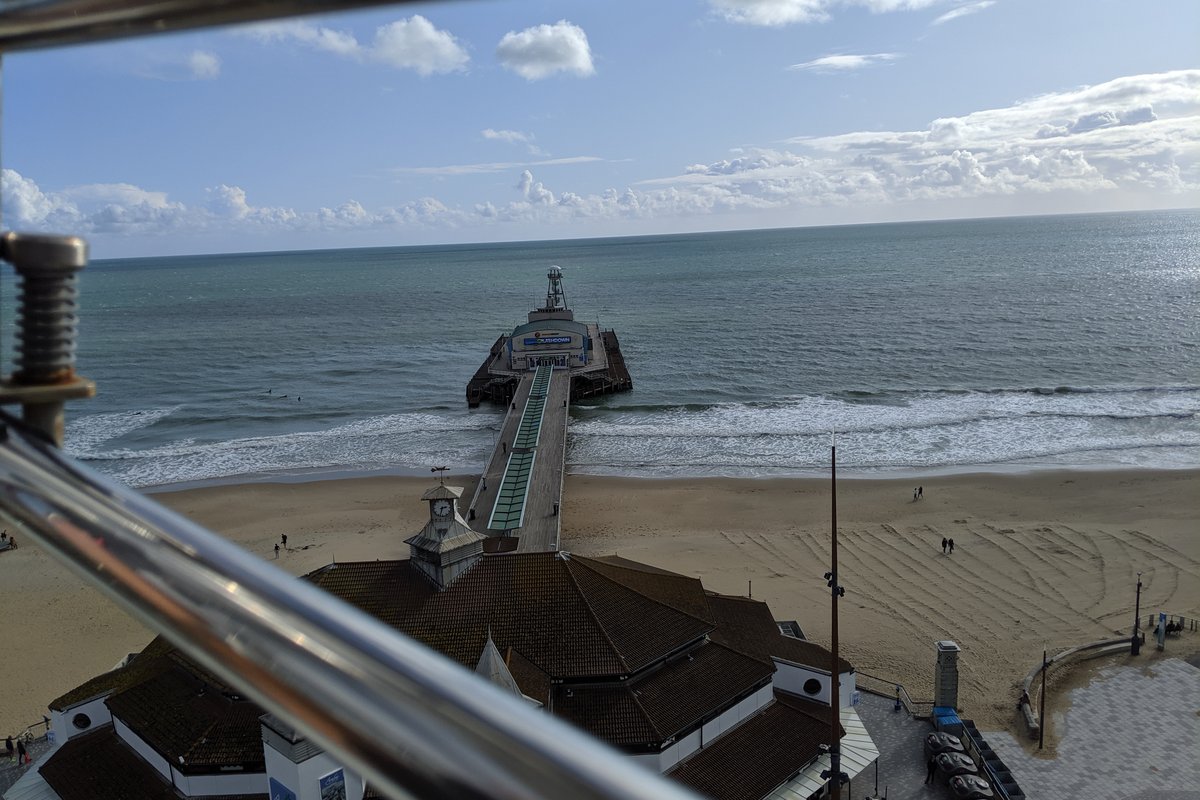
(142, 667)
(643, 713)
(677, 591)
(758, 755)
(532, 681)
(747, 626)
(562, 614)
(180, 715)
(98, 765)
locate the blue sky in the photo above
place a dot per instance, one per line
(496, 121)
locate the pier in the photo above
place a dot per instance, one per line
(520, 492)
(536, 371)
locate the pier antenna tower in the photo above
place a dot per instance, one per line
(556, 299)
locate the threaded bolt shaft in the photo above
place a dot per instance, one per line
(47, 267)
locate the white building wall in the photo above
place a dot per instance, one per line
(791, 678)
(233, 783)
(63, 725)
(304, 778)
(139, 746)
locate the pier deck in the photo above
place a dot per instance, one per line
(534, 459)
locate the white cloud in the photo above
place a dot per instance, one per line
(543, 50)
(514, 137)
(771, 12)
(844, 63)
(317, 37)
(964, 10)
(413, 43)
(496, 166)
(204, 64)
(1137, 136)
(775, 13)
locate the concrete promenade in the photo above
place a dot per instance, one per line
(541, 524)
(1132, 733)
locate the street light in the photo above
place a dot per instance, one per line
(1042, 710)
(1135, 643)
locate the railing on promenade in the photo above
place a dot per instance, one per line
(920, 709)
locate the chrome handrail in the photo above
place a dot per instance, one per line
(34, 24)
(412, 722)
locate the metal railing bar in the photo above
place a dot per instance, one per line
(35, 24)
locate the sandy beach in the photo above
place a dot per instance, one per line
(1042, 559)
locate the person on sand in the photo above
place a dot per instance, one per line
(951, 542)
(22, 756)
(283, 539)
(277, 551)
(8, 745)
(930, 768)
(920, 492)
(914, 495)
(944, 543)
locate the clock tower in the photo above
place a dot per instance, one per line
(446, 547)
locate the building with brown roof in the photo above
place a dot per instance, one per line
(699, 686)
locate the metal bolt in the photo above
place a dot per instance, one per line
(47, 267)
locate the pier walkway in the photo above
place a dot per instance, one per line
(520, 491)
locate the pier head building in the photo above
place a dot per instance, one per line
(552, 337)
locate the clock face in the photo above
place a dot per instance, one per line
(442, 508)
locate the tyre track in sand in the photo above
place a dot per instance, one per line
(1097, 566)
(893, 567)
(980, 580)
(1013, 547)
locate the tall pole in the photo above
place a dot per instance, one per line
(835, 750)
(1042, 709)
(1135, 642)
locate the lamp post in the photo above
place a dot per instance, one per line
(1135, 644)
(834, 774)
(1042, 704)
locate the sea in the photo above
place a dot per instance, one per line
(929, 347)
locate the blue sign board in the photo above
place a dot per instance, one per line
(547, 340)
(281, 792)
(333, 786)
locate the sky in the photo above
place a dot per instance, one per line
(473, 121)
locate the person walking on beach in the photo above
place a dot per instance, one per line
(277, 551)
(945, 541)
(914, 495)
(283, 539)
(951, 547)
(22, 756)
(8, 745)
(930, 768)
(920, 492)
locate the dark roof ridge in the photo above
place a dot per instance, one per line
(637, 701)
(710, 593)
(566, 559)
(583, 561)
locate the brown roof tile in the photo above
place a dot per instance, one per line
(677, 591)
(758, 755)
(747, 626)
(142, 667)
(667, 702)
(180, 715)
(563, 615)
(99, 765)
